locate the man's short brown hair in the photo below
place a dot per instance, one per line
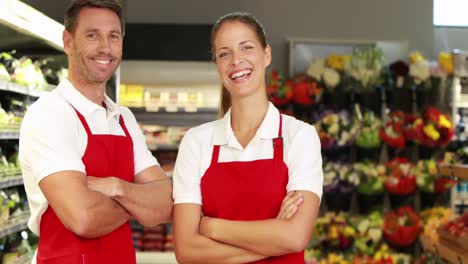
(73, 10)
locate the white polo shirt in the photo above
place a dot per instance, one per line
(52, 139)
(301, 153)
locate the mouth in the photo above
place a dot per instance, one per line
(102, 61)
(240, 75)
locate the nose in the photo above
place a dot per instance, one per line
(104, 45)
(236, 58)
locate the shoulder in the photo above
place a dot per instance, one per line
(295, 129)
(49, 108)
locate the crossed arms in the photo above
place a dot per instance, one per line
(94, 207)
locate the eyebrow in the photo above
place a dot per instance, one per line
(242, 43)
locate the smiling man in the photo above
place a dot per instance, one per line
(86, 167)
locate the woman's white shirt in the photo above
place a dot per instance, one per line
(301, 153)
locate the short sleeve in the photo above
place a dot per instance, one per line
(186, 175)
(142, 155)
(49, 141)
(305, 161)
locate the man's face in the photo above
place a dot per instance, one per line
(95, 47)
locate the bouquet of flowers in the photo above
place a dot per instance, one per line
(306, 91)
(419, 69)
(399, 71)
(402, 227)
(433, 129)
(334, 231)
(393, 131)
(370, 177)
(369, 233)
(427, 178)
(368, 127)
(339, 177)
(328, 71)
(400, 179)
(279, 91)
(433, 218)
(365, 67)
(335, 129)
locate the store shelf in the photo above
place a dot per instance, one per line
(156, 257)
(17, 224)
(445, 249)
(9, 135)
(20, 89)
(176, 118)
(163, 147)
(11, 181)
(459, 170)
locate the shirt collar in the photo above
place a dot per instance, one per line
(83, 104)
(223, 133)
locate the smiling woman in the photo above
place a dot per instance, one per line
(243, 191)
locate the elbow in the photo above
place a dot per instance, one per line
(81, 225)
(182, 253)
(296, 243)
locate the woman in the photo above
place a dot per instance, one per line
(232, 175)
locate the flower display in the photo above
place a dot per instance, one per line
(368, 127)
(402, 227)
(399, 71)
(393, 131)
(400, 179)
(335, 129)
(370, 177)
(279, 92)
(327, 75)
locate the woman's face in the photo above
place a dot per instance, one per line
(241, 59)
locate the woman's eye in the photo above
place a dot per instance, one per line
(223, 54)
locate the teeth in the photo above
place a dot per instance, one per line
(102, 61)
(240, 74)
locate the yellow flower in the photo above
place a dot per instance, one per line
(418, 121)
(431, 132)
(415, 57)
(446, 62)
(335, 61)
(349, 231)
(444, 122)
(431, 167)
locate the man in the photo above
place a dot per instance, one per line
(86, 167)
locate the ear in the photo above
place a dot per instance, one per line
(267, 56)
(67, 39)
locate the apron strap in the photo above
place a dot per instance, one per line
(83, 121)
(122, 124)
(278, 142)
(215, 155)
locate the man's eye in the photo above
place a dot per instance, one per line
(91, 35)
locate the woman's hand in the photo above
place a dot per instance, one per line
(291, 203)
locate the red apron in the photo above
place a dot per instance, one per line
(105, 155)
(252, 190)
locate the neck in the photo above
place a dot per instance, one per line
(93, 91)
(248, 113)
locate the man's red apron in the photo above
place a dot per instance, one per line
(252, 190)
(105, 155)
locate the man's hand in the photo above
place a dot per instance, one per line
(109, 186)
(291, 203)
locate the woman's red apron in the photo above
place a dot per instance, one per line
(105, 155)
(252, 190)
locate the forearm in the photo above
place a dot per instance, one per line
(149, 203)
(200, 249)
(102, 216)
(272, 237)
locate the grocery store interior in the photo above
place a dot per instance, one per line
(385, 84)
